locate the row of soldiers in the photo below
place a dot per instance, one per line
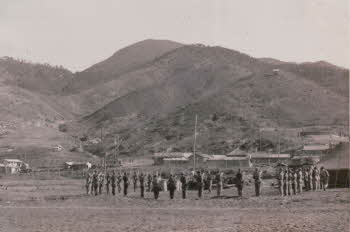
(293, 181)
(203, 180)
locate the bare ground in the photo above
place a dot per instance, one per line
(61, 205)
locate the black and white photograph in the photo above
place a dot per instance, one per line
(174, 115)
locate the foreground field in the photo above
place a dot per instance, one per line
(61, 205)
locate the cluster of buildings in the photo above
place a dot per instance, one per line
(13, 166)
(234, 159)
(316, 148)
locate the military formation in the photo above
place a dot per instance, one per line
(290, 182)
(293, 181)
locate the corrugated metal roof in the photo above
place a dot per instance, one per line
(176, 159)
(13, 160)
(269, 156)
(224, 157)
(315, 147)
(172, 154)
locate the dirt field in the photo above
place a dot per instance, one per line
(61, 205)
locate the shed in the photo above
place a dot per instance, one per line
(223, 161)
(267, 158)
(76, 165)
(13, 166)
(159, 157)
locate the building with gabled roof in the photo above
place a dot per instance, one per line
(268, 158)
(13, 166)
(159, 157)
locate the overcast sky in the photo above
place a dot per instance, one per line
(79, 33)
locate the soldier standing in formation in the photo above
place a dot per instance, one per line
(108, 182)
(156, 186)
(100, 182)
(142, 184)
(257, 181)
(199, 182)
(289, 187)
(126, 184)
(324, 175)
(306, 179)
(119, 182)
(218, 179)
(88, 183)
(149, 182)
(316, 178)
(95, 182)
(310, 179)
(300, 180)
(285, 182)
(183, 185)
(293, 180)
(134, 177)
(281, 181)
(171, 186)
(209, 181)
(113, 180)
(239, 183)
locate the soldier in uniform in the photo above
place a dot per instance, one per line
(285, 182)
(142, 184)
(113, 180)
(88, 183)
(239, 182)
(289, 187)
(280, 180)
(126, 184)
(199, 182)
(310, 178)
(218, 179)
(119, 182)
(171, 186)
(108, 182)
(293, 180)
(183, 181)
(316, 178)
(324, 175)
(149, 182)
(209, 181)
(156, 186)
(95, 182)
(100, 182)
(300, 180)
(306, 178)
(134, 177)
(257, 181)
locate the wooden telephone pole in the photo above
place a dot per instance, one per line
(194, 145)
(117, 142)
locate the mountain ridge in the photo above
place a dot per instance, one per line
(151, 101)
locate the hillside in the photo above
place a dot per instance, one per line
(122, 61)
(149, 94)
(243, 92)
(30, 112)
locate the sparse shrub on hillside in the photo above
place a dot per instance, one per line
(62, 127)
(214, 117)
(95, 149)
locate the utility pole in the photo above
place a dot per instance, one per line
(194, 145)
(117, 142)
(115, 150)
(259, 139)
(279, 143)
